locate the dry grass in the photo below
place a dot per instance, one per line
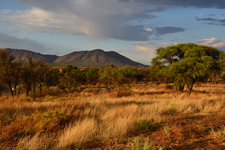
(101, 118)
(78, 133)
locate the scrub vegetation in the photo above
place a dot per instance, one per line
(176, 103)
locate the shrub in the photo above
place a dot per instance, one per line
(137, 144)
(144, 125)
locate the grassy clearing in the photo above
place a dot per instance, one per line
(116, 119)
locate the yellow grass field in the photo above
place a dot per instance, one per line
(140, 116)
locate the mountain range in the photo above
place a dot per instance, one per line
(95, 57)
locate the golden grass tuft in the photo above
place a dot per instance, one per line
(78, 133)
(32, 143)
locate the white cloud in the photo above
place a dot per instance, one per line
(150, 47)
(149, 29)
(220, 44)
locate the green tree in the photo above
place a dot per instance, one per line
(186, 63)
(123, 75)
(71, 77)
(92, 75)
(53, 77)
(106, 75)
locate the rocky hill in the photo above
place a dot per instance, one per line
(95, 57)
(23, 54)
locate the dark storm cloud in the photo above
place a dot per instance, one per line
(168, 30)
(94, 19)
(102, 18)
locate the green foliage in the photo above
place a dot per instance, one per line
(69, 68)
(186, 63)
(137, 144)
(125, 75)
(118, 75)
(26, 131)
(43, 119)
(167, 130)
(54, 71)
(106, 76)
(71, 78)
(144, 125)
(92, 75)
(53, 77)
(27, 99)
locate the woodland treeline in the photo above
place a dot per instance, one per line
(182, 64)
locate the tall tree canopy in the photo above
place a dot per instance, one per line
(186, 63)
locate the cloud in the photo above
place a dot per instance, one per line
(168, 30)
(7, 41)
(216, 20)
(220, 44)
(221, 20)
(94, 19)
(117, 19)
(206, 19)
(149, 47)
(186, 3)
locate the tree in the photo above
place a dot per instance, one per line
(10, 70)
(186, 63)
(106, 75)
(187, 71)
(71, 77)
(92, 75)
(53, 77)
(33, 74)
(123, 75)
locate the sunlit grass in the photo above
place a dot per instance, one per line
(86, 117)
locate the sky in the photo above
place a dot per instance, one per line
(133, 28)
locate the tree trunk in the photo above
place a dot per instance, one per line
(33, 92)
(27, 89)
(10, 89)
(213, 78)
(190, 89)
(181, 88)
(15, 89)
(40, 89)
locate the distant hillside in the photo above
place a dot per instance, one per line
(96, 57)
(23, 54)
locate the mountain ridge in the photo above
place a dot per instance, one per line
(96, 57)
